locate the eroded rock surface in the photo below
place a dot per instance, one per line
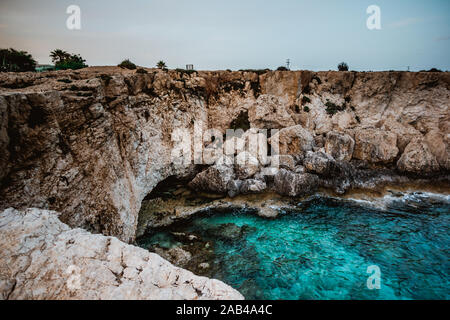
(42, 258)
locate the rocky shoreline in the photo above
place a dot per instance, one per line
(94, 144)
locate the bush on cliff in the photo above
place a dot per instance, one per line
(127, 64)
(66, 61)
(343, 66)
(282, 69)
(16, 61)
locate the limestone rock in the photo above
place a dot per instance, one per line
(375, 146)
(42, 258)
(340, 146)
(439, 145)
(214, 179)
(319, 162)
(253, 186)
(283, 161)
(293, 184)
(269, 113)
(418, 158)
(246, 165)
(293, 140)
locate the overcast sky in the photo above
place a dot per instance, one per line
(235, 34)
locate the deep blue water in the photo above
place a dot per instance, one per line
(322, 249)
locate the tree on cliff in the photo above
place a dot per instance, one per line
(161, 65)
(16, 61)
(64, 60)
(343, 66)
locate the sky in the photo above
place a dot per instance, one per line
(235, 34)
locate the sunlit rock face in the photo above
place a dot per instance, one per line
(92, 144)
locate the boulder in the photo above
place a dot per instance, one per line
(284, 162)
(253, 186)
(340, 146)
(375, 146)
(319, 162)
(234, 188)
(292, 184)
(439, 145)
(405, 132)
(214, 179)
(43, 259)
(418, 158)
(293, 140)
(246, 165)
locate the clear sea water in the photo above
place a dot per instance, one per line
(322, 249)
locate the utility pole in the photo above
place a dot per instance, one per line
(288, 64)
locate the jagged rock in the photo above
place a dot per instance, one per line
(268, 113)
(418, 158)
(405, 132)
(284, 162)
(178, 256)
(246, 165)
(234, 188)
(319, 162)
(253, 186)
(42, 258)
(340, 146)
(293, 184)
(375, 146)
(214, 179)
(439, 145)
(293, 140)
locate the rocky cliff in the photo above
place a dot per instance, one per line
(92, 144)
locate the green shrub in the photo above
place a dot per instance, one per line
(333, 108)
(343, 66)
(16, 61)
(282, 69)
(66, 61)
(306, 109)
(184, 71)
(305, 99)
(127, 64)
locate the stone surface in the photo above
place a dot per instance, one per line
(42, 258)
(320, 163)
(253, 186)
(94, 148)
(375, 146)
(418, 158)
(293, 140)
(294, 185)
(340, 146)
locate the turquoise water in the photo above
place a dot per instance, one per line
(322, 249)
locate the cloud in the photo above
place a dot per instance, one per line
(443, 38)
(405, 22)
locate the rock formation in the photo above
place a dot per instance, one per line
(92, 144)
(42, 258)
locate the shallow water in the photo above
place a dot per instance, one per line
(322, 249)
